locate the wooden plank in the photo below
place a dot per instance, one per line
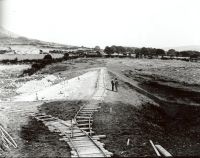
(64, 139)
(44, 116)
(157, 152)
(83, 138)
(83, 120)
(84, 145)
(78, 145)
(89, 109)
(85, 128)
(92, 155)
(78, 134)
(83, 117)
(79, 114)
(89, 112)
(88, 149)
(86, 141)
(73, 152)
(163, 151)
(69, 132)
(85, 124)
(91, 132)
(49, 119)
(99, 136)
(80, 138)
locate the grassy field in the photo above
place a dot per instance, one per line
(26, 56)
(169, 70)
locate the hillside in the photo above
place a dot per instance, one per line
(23, 45)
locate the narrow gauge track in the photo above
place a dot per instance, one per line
(78, 132)
(83, 120)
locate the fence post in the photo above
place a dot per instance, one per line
(71, 129)
(128, 142)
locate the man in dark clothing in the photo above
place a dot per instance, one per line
(113, 84)
(116, 84)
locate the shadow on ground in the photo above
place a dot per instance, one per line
(178, 134)
(40, 142)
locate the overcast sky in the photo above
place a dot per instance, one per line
(153, 23)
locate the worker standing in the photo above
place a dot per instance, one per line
(116, 83)
(112, 84)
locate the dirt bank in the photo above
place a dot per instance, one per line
(168, 90)
(40, 142)
(178, 135)
(138, 118)
(64, 110)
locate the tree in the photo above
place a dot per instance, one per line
(138, 53)
(171, 52)
(108, 50)
(144, 51)
(189, 53)
(160, 52)
(97, 48)
(130, 50)
(120, 49)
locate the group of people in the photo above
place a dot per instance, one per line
(114, 83)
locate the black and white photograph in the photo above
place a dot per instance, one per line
(99, 78)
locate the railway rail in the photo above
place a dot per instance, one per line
(78, 131)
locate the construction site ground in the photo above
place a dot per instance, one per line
(126, 114)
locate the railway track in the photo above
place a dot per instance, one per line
(78, 132)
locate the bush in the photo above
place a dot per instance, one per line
(66, 56)
(48, 57)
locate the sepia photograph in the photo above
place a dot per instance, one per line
(99, 78)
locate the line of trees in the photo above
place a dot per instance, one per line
(149, 52)
(140, 52)
(188, 53)
(119, 50)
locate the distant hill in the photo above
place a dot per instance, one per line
(23, 45)
(184, 48)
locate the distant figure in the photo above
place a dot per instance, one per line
(113, 84)
(116, 83)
